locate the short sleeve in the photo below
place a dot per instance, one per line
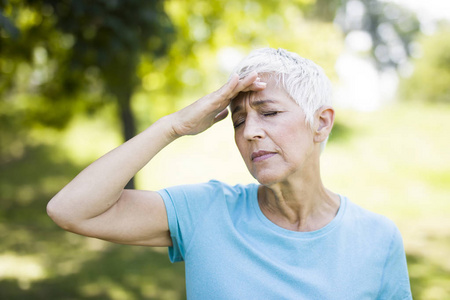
(395, 281)
(185, 207)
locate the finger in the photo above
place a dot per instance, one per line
(228, 91)
(247, 81)
(255, 87)
(244, 83)
(228, 87)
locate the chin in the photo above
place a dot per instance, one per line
(268, 178)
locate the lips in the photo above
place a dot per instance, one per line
(262, 155)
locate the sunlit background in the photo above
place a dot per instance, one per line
(77, 78)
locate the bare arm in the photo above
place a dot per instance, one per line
(95, 202)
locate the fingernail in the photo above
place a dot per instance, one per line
(260, 84)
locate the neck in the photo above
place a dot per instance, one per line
(299, 204)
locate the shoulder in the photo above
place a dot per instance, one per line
(211, 190)
(360, 214)
(233, 191)
(379, 246)
(366, 221)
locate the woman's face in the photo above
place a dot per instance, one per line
(271, 135)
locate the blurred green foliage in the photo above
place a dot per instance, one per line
(64, 49)
(68, 54)
(430, 80)
(67, 70)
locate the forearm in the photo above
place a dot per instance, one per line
(99, 186)
(87, 204)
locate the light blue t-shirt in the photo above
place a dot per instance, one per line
(232, 251)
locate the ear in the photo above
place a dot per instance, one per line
(324, 120)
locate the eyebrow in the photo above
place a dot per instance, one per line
(256, 103)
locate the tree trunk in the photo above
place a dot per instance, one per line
(128, 121)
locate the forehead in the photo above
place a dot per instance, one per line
(273, 93)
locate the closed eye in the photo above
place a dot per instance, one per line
(238, 123)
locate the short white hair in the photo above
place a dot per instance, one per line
(301, 78)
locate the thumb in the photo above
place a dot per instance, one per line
(220, 116)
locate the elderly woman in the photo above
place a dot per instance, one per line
(287, 237)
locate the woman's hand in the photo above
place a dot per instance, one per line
(212, 108)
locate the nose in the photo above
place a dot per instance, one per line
(253, 129)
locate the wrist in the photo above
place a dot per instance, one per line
(167, 126)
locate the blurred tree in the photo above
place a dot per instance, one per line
(387, 28)
(78, 50)
(431, 77)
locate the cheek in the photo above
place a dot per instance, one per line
(239, 144)
(295, 140)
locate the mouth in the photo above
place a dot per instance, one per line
(262, 155)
